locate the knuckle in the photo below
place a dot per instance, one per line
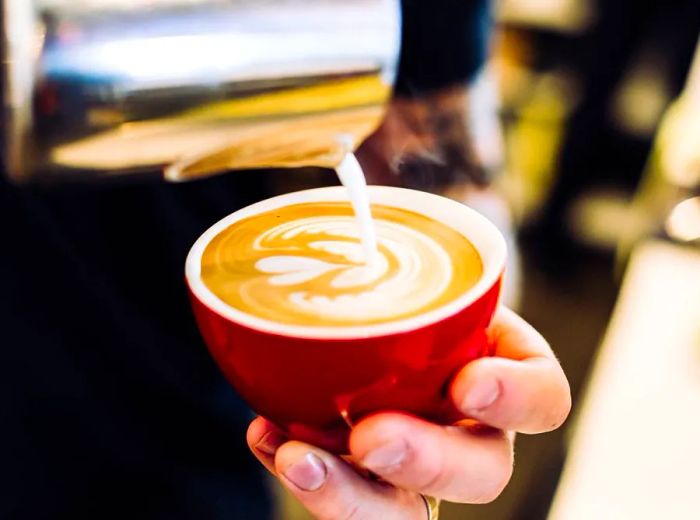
(488, 496)
(343, 505)
(433, 477)
(488, 490)
(548, 408)
(435, 473)
(354, 513)
(558, 414)
(560, 417)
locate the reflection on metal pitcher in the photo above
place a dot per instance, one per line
(193, 87)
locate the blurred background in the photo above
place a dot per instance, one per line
(601, 120)
(603, 170)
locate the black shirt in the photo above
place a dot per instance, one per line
(111, 406)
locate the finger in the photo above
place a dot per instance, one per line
(523, 389)
(450, 463)
(264, 439)
(515, 338)
(530, 396)
(330, 489)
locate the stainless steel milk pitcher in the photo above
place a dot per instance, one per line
(190, 87)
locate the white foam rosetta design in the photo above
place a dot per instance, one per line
(418, 272)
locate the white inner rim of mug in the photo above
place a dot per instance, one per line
(485, 237)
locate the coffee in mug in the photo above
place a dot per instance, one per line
(304, 264)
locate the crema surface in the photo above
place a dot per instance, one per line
(303, 264)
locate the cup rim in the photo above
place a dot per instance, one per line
(481, 232)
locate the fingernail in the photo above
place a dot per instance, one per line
(387, 457)
(308, 474)
(270, 443)
(481, 395)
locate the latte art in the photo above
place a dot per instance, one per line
(304, 264)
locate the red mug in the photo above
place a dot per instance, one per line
(316, 382)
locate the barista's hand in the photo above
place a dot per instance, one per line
(522, 389)
(436, 140)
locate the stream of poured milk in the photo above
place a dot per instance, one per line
(361, 284)
(353, 178)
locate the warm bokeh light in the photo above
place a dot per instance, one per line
(684, 221)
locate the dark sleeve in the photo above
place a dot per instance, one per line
(444, 42)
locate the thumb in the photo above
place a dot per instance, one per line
(330, 488)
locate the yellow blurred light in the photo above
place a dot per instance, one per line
(684, 221)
